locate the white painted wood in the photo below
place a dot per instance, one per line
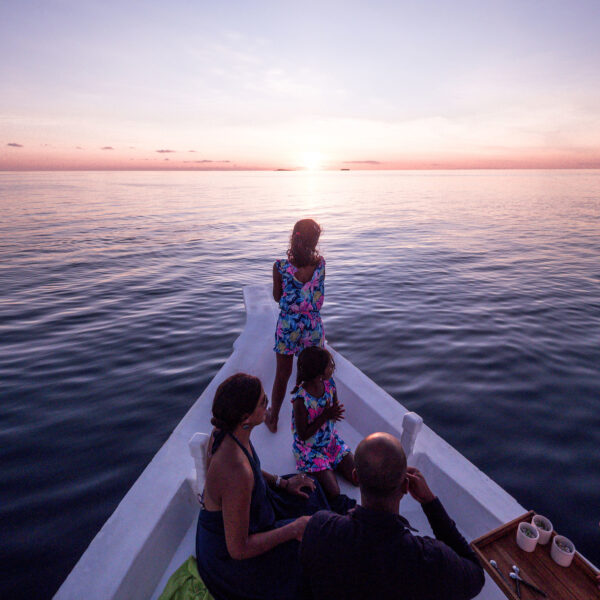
(198, 446)
(411, 425)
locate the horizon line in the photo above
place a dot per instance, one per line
(300, 170)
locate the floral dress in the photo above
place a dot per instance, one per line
(299, 324)
(325, 449)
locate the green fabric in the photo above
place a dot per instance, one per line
(185, 584)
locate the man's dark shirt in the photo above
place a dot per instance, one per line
(373, 554)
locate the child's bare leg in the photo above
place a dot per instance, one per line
(346, 466)
(328, 483)
(285, 363)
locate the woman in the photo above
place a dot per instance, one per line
(298, 288)
(251, 523)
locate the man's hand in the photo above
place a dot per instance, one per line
(417, 486)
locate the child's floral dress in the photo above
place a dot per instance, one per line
(325, 449)
(299, 324)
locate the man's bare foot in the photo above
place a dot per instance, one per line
(271, 421)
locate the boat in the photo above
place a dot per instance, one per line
(152, 531)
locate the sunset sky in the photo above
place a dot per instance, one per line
(399, 84)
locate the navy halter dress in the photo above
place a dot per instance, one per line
(272, 575)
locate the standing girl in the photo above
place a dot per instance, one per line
(299, 287)
(318, 448)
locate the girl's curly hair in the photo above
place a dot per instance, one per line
(303, 243)
(235, 398)
(312, 362)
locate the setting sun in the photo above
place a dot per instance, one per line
(312, 161)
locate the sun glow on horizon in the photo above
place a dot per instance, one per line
(312, 161)
(262, 87)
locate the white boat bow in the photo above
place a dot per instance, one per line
(152, 531)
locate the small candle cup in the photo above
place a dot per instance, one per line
(527, 536)
(562, 550)
(544, 527)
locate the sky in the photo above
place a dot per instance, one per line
(299, 85)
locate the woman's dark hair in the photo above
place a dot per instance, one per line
(312, 362)
(303, 243)
(235, 398)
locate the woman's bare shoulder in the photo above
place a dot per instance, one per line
(230, 459)
(229, 472)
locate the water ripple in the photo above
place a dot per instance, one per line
(473, 298)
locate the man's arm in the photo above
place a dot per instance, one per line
(445, 530)
(308, 549)
(457, 574)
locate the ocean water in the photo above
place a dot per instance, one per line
(472, 297)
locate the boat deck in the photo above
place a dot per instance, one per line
(278, 461)
(282, 462)
(152, 531)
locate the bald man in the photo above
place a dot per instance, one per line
(372, 553)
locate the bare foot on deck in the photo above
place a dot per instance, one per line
(271, 421)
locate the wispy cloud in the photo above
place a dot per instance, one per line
(107, 148)
(166, 151)
(14, 145)
(206, 161)
(362, 162)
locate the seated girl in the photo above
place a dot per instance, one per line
(318, 448)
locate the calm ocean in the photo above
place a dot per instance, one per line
(472, 297)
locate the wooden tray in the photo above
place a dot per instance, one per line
(576, 582)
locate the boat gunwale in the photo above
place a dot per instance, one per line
(116, 556)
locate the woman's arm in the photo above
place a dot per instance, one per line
(235, 504)
(305, 429)
(277, 283)
(296, 485)
(271, 479)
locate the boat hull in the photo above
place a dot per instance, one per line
(152, 530)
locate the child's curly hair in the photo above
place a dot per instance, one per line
(312, 362)
(303, 243)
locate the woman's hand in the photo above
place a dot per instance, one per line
(334, 412)
(299, 525)
(297, 482)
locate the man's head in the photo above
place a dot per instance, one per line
(380, 467)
